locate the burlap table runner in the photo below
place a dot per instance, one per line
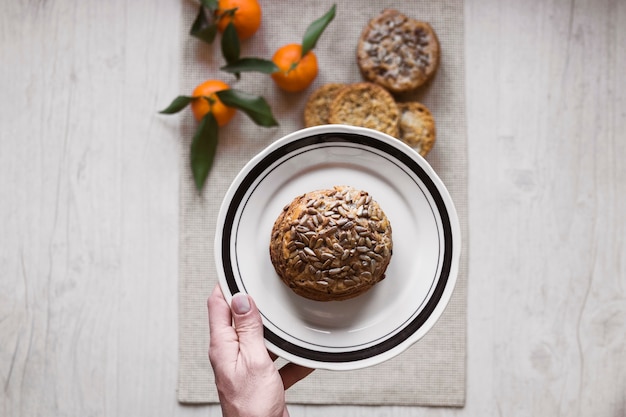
(432, 372)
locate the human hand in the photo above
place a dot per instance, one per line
(248, 383)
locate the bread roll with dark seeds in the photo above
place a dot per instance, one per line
(398, 52)
(331, 245)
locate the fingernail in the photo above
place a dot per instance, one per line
(240, 303)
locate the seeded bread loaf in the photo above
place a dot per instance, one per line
(417, 126)
(317, 107)
(366, 105)
(331, 244)
(398, 52)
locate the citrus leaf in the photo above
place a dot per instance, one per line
(177, 105)
(255, 107)
(230, 45)
(203, 28)
(209, 4)
(203, 149)
(251, 65)
(315, 30)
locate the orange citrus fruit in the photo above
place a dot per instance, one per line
(245, 15)
(297, 72)
(211, 103)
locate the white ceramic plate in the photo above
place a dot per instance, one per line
(393, 314)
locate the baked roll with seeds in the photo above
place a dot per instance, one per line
(417, 127)
(366, 105)
(398, 52)
(331, 244)
(317, 107)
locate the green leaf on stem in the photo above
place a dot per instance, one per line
(315, 30)
(203, 27)
(251, 65)
(209, 4)
(255, 107)
(230, 45)
(203, 149)
(177, 105)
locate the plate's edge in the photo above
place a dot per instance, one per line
(452, 217)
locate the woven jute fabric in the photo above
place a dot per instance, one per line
(431, 372)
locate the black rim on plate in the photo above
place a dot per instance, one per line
(413, 166)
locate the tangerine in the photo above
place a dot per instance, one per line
(245, 15)
(211, 103)
(297, 72)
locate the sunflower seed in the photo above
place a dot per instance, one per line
(373, 265)
(329, 231)
(375, 256)
(361, 229)
(327, 255)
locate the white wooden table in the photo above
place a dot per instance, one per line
(89, 212)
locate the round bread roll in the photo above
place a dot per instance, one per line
(417, 127)
(367, 105)
(317, 107)
(331, 245)
(398, 52)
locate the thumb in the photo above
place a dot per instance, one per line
(248, 324)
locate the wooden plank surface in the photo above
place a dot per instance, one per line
(89, 211)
